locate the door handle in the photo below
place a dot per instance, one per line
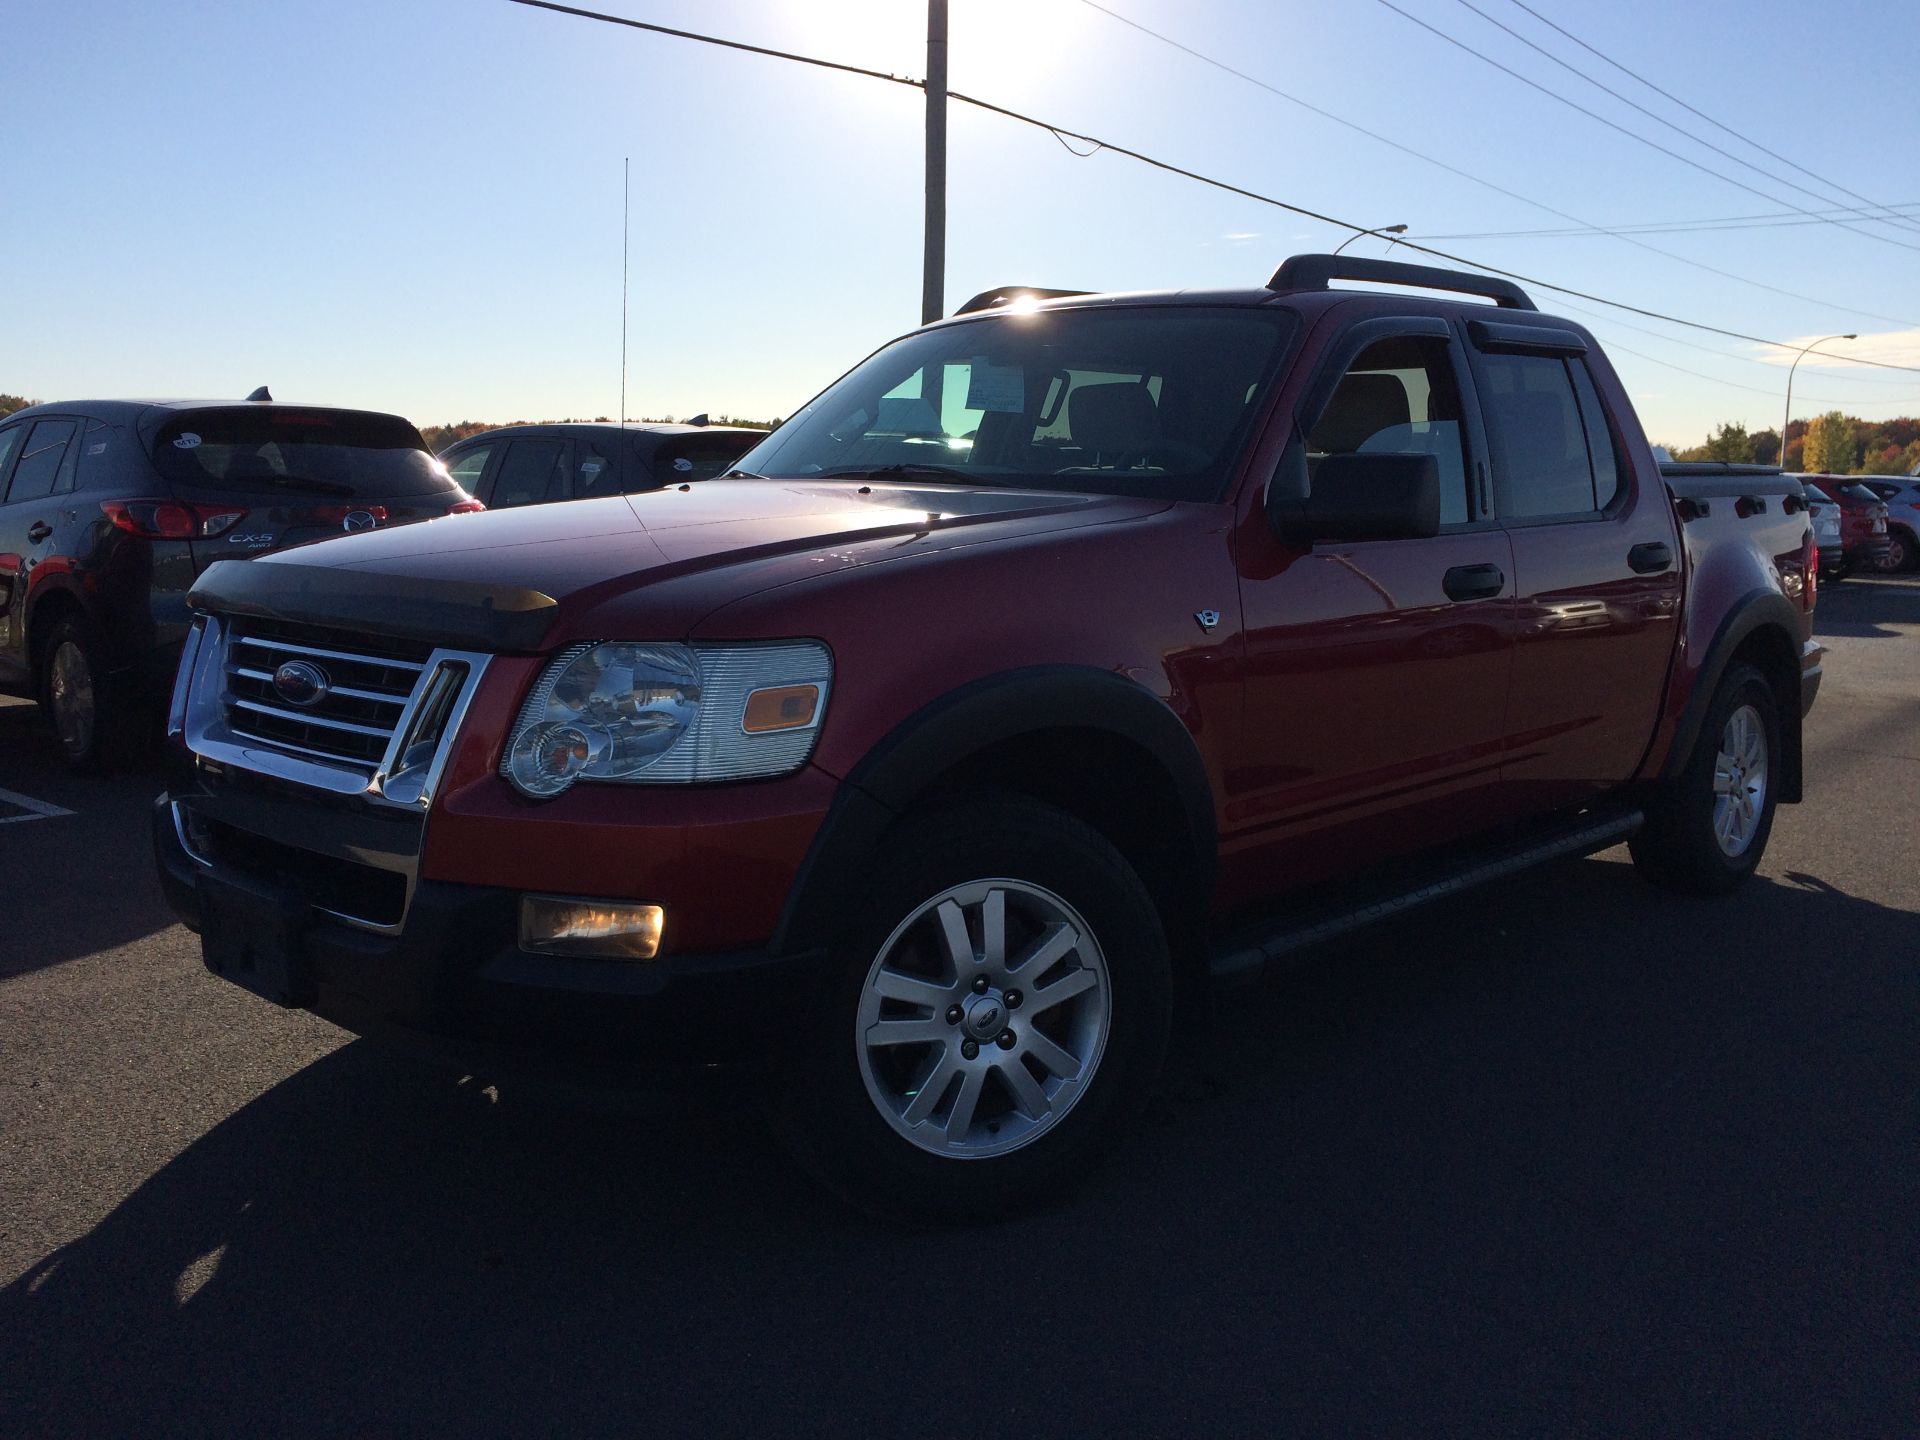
(39, 531)
(1473, 582)
(1650, 558)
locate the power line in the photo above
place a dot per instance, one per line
(1060, 132)
(1672, 154)
(1658, 118)
(1773, 220)
(1665, 338)
(724, 44)
(1480, 180)
(1615, 347)
(1693, 109)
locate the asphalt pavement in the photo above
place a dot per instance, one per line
(1563, 1156)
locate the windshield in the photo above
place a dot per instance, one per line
(1152, 401)
(351, 454)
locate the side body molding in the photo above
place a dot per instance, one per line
(964, 723)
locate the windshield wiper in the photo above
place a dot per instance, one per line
(738, 475)
(950, 472)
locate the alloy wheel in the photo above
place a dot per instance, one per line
(983, 1018)
(1740, 781)
(70, 697)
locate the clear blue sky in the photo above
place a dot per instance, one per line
(415, 205)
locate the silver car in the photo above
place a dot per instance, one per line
(1903, 519)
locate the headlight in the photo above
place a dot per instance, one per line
(669, 714)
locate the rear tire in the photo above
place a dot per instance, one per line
(1902, 554)
(905, 1122)
(94, 722)
(1708, 826)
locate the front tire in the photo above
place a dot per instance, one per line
(998, 1015)
(1708, 827)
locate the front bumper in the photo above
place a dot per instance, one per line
(451, 975)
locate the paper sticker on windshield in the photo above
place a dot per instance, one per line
(1000, 388)
(186, 441)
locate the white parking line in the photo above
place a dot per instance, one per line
(36, 809)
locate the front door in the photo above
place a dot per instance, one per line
(29, 516)
(1376, 671)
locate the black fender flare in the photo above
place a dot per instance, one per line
(928, 744)
(1756, 610)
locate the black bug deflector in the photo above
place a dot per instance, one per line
(468, 613)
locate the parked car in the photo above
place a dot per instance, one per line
(110, 508)
(530, 464)
(1901, 496)
(1826, 519)
(1061, 657)
(1863, 523)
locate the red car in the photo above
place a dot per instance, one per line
(1062, 656)
(1864, 541)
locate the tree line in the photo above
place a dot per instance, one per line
(1835, 443)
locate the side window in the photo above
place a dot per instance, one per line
(1536, 440)
(699, 458)
(1601, 452)
(596, 469)
(469, 465)
(1399, 397)
(533, 471)
(96, 454)
(9, 442)
(40, 457)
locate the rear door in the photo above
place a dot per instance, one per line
(1596, 567)
(468, 464)
(680, 458)
(37, 467)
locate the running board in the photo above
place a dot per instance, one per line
(1246, 954)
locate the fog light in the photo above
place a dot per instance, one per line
(610, 929)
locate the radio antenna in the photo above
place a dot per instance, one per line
(625, 162)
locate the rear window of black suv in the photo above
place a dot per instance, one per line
(351, 454)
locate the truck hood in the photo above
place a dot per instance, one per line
(499, 580)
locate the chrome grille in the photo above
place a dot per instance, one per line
(368, 685)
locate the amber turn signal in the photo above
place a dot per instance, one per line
(781, 707)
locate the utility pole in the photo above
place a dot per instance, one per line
(933, 283)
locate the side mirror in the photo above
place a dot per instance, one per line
(1363, 497)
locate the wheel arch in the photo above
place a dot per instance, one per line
(1763, 628)
(45, 610)
(1088, 741)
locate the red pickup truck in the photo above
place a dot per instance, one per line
(1061, 657)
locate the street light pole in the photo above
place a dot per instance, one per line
(933, 280)
(1383, 230)
(1787, 418)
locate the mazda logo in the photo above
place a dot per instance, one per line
(301, 682)
(358, 520)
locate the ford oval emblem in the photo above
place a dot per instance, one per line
(302, 683)
(357, 521)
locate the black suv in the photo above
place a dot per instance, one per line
(531, 464)
(110, 508)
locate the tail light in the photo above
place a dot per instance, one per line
(1810, 563)
(171, 519)
(467, 506)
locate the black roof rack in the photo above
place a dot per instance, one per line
(1007, 294)
(1313, 272)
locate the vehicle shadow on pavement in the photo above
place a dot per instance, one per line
(1515, 1165)
(77, 884)
(1864, 606)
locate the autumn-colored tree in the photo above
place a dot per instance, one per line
(1829, 449)
(11, 403)
(1765, 445)
(1884, 460)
